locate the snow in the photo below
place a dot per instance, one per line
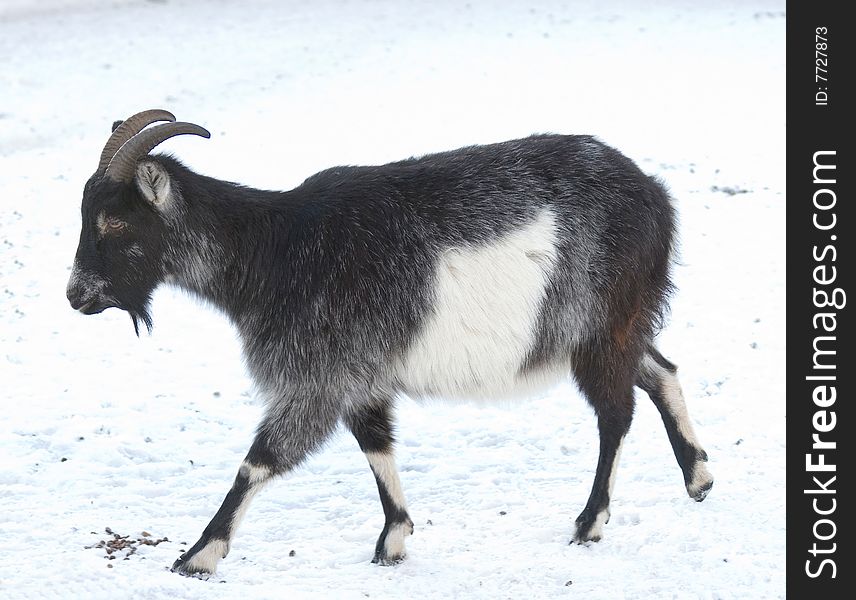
(99, 429)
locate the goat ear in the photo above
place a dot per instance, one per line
(154, 184)
(116, 124)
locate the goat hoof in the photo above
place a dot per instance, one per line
(583, 538)
(201, 559)
(590, 528)
(386, 560)
(586, 533)
(701, 493)
(701, 482)
(183, 567)
(190, 565)
(390, 549)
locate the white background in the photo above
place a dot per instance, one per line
(99, 429)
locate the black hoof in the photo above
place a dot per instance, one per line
(583, 537)
(587, 529)
(182, 567)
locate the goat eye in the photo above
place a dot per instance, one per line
(114, 224)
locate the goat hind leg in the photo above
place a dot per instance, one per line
(658, 377)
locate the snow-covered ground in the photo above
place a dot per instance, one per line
(99, 429)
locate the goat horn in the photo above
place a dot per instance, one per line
(128, 129)
(124, 164)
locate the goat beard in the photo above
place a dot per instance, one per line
(141, 314)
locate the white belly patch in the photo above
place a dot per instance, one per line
(485, 311)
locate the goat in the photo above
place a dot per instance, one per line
(485, 272)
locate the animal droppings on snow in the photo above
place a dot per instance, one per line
(114, 546)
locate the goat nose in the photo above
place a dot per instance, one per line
(75, 297)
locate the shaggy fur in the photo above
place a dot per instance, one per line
(485, 271)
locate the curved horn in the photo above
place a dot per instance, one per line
(124, 164)
(128, 129)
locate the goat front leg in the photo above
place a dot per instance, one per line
(372, 427)
(277, 448)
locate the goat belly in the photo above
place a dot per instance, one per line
(487, 301)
